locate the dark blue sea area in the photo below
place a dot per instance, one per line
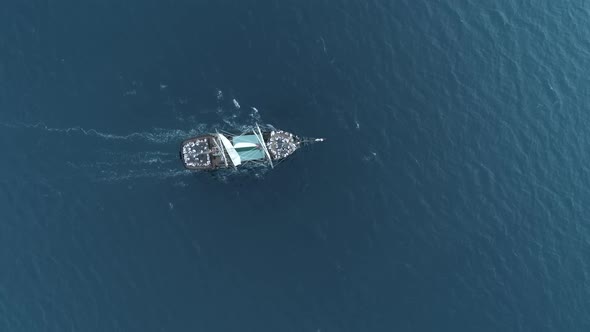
(452, 192)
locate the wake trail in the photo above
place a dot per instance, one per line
(115, 176)
(122, 163)
(116, 157)
(158, 135)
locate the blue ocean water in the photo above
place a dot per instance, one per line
(451, 193)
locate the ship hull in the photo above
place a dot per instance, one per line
(214, 151)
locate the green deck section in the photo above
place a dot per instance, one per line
(248, 153)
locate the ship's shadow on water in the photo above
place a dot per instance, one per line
(79, 153)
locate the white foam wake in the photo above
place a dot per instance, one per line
(158, 135)
(114, 176)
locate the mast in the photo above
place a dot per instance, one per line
(261, 139)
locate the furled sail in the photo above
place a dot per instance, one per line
(231, 151)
